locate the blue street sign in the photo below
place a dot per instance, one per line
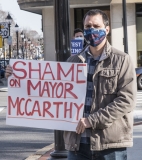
(76, 46)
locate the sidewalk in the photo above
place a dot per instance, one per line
(3, 89)
(42, 154)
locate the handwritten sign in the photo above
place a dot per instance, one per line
(76, 46)
(45, 94)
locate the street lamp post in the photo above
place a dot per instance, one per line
(0, 58)
(31, 50)
(29, 42)
(41, 46)
(9, 20)
(62, 45)
(25, 40)
(37, 52)
(2, 49)
(62, 29)
(17, 30)
(22, 36)
(125, 26)
(4, 52)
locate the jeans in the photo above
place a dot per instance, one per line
(85, 153)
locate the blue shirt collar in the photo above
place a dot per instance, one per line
(89, 55)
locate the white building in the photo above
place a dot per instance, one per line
(77, 10)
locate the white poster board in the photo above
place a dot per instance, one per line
(43, 94)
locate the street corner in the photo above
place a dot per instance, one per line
(42, 154)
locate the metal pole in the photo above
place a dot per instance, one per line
(62, 45)
(9, 45)
(38, 53)
(4, 52)
(23, 48)
(62, 29)
(125, 26)
(17, 45)
(29, 51)
(26, 48)
(0, 59)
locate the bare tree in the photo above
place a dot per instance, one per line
(30, 34)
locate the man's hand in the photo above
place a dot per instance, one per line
(8, 71)
(83, 123)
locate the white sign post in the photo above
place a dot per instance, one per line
(9, 40)
(44, 94)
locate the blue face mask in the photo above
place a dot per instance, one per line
(94, 36)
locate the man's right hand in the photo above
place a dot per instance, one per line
(8, 71)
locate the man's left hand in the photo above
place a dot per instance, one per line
(82, 125)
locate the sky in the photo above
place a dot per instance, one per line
(22, 18)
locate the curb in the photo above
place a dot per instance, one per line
(137, 123)
(3, 89)
(1, 108)
(40, 152)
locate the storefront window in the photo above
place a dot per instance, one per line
(80, 12)
(139, 33)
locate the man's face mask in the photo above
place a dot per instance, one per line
(94, 36)
(79, 38)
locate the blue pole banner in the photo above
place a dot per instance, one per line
(76, 46)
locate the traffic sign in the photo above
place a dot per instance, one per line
(0, 41)
(9, 40)
(4, 32)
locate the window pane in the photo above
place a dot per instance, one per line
(79, 15)
(79, 25)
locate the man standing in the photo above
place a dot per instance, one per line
(106, 129)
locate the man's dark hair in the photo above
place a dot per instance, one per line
(94, 12)
(77, 30)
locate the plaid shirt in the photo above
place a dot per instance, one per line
(91, 65)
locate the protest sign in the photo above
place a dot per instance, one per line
(45, 94)
(76, 46)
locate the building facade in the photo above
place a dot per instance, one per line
(78, 8)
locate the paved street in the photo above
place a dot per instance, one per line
(17, 143)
